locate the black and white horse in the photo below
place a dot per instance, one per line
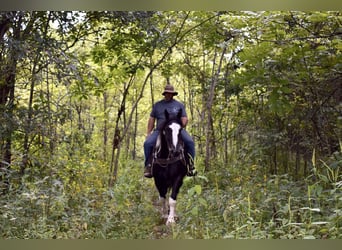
(169, 165)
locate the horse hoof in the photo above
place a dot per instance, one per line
(170, 221)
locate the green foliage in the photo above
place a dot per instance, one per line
(223, 204)
(78, 103)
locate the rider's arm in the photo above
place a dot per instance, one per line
(184, 120)
(150, 125)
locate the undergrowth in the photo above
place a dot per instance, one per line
(237, 201)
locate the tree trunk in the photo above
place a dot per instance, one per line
(7, 86)
(28, 127)
(6, 106)
(135, 131)
(209, 133)
(105, 125)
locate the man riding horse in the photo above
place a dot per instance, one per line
(158, 114)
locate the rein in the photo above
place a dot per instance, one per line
(165, 162)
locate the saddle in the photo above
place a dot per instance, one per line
(157, 158)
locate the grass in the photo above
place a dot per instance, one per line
(220, 204)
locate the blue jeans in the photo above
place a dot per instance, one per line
(150, 142)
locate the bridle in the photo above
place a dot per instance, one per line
(172, 146)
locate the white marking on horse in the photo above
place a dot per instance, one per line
(172, 214)
(175, 127)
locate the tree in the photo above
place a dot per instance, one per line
(29, 46)
(285, 73)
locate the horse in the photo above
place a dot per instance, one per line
(169, 165)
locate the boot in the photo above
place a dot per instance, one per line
(148, 171)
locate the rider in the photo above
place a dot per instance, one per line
(172, 106)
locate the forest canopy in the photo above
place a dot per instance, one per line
(263, 94)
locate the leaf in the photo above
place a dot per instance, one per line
(309, 237)
(319, 223)
(313, 159)
(198, 189)
(203, 178)
(194, 211)
(203, 202)
(311, 209)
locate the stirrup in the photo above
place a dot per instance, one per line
(191, 172)
(191, 169)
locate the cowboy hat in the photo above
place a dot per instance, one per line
(169, 89)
